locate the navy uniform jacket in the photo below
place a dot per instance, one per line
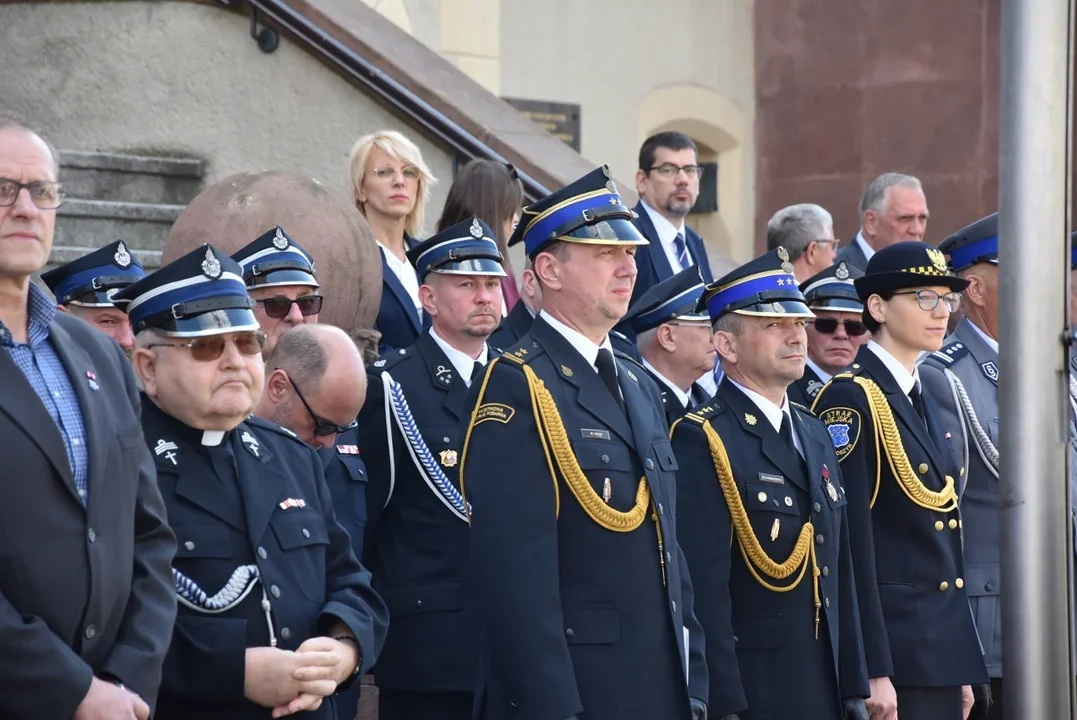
(259, 498)
(917, 624)
(346, 477)
(513, 327)
(804, 390)
(578, 619)
(415, 546)
(397, 321)
(774, 665)
(975, 364)
(84, 589)
(671, 404)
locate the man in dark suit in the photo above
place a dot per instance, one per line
(892, 209)
(763, 516)
(519, 319)
(276, 613)
(674, 340)
(417, 532)
(584, 597)
(668, 184)
(86, 598)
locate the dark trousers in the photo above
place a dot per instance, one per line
(995, 711)
(400, 705)
(920, 703)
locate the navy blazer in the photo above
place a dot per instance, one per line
(397, 321)
(515, 325)
(652, 265)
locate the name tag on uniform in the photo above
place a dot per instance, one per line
(772, 479)
(589, 434)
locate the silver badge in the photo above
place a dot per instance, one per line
(279, 241)
(476, 229)
(379, 363)
(251, 442)
(842, 273)
(122, 258)
(612, 187)
(783, 254)
(211, 266)
(787, 266)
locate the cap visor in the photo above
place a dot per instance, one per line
(215, 322)
(778, 308)
(475, 266)
(284, 276)
(838, 305)
(614, 231)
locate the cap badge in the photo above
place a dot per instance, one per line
(279, 241)
(787, 266)
(842, 273)
(211, 266)
(937, 259)
(122, 258)
(606, 171)
(611, 186)
(783, 254)
(476, 229)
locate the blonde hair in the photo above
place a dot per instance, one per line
(399, 147)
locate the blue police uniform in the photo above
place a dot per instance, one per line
(675, 299)
(585, 601)
(94, 279)
(899, 471)
(830, 289)
(261, 559)
(766, 535)
(417, 534)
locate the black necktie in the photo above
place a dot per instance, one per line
(786, 432)
(607, 370)
(476, 371)
(918, 402)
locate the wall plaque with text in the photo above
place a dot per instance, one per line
(562, 120)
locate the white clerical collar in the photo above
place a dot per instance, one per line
(905, 379)
(772, 412)
(680, 394)
(212, 438)
(578, 340)
(666, 230)
(991, 342)
(823, 375)
(868, 250)
(463, 362)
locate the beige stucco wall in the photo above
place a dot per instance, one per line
(180, 77)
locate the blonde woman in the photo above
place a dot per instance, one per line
(390, 185)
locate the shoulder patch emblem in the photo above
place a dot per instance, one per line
(843, 424)
(499, 412)
(990, 370)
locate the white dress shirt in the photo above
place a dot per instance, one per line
(905, 379)
(681, 395)
(772, 412)
(407, 276)
(667, 234)
(576, 339)
(991, 342)
(463, 362)
(823, 375)
(868, 250)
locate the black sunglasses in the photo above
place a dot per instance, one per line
(321, 427)
(279, 306)
(828, 326)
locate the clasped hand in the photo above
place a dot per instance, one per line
(290, 681)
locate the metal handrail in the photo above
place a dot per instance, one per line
(463, 144)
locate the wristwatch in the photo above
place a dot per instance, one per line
(358, 650)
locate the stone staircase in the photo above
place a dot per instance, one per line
(121, 197)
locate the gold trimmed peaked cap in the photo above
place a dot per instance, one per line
(764, 287)
(589, 211)
(905, 265)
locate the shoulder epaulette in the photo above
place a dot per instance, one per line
(948, 354)
(705, 411)
(394, 357)
(625, 356)
(799, 406)
(263, 424)
(521, 355)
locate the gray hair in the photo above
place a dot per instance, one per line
(798, 226)
(147, 337)
(730, 323)
(645, 338)
(875, 196)
(301, 353)
(11, 121)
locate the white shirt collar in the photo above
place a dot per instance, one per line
(823, 375)
(868, 250)
(577, 340)
(991, 342)
(680, 394)
(405, 273)
(771, 412)
(463, 362)
(666, 230)
(905, 379)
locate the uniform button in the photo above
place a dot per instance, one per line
(669, 558)
(91, 535)
(818, 507)
(987, 586)
(445, 439)
(953, 524)
(959, 583)
(922, 468)
(762, 497)
(826, 571)
(569, 632)
(856, 366)
(673, 605)
(649, 464)
(418, 603)
(826, 602)
(944, 585)
(606, 459)
(274, 591)
(788, 501)
(661, 510)
(938, 525)
(285, 634)
(819, 539)
(189, 545)
(961, 472)
(90, 632)
(262, 553)
(306, 533)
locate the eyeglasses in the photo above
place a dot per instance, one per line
(388, 173)
(929, 299)
(828, 326)
(45, 195)
(669, 170)
(207, 349)
(829, 241)
(321, 427)
(279, 306)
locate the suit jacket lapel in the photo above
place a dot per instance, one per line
(815, 448)
(640, 409)
(699, 253)
(395, 286)
(777, 451)
(443, 375)
(659, 261)
(94, 416)
(260, 481)
(19, 401)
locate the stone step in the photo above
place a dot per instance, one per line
(94, 223)
(130, 178)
